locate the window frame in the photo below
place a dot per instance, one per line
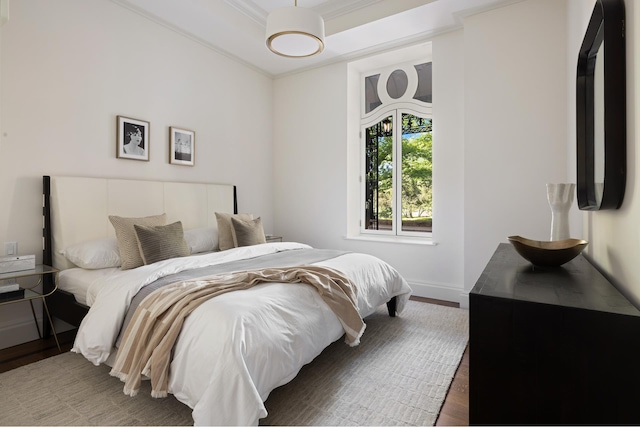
(394, 108)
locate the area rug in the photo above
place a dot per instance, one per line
(398, 375)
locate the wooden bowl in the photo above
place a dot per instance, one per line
(547, 254)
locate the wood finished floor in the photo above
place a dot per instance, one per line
(455, 410)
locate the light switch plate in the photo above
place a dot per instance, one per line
(11, 248)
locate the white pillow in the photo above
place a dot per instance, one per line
(202, 239)
(94, 254)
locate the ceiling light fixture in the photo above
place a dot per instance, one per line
(295, 32)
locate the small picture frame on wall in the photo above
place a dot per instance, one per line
(133, 139)
(182, 146)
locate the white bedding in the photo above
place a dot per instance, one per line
(236, 348)
(82, 283)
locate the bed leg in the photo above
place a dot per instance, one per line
(391, 306)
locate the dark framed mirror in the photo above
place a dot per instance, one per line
(601, 109)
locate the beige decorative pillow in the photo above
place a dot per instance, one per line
(126, 235)
(225, 238)
(160, 242)
(247, 232)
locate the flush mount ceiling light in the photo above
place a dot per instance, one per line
(295, 32)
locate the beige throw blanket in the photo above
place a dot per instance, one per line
(148, 341)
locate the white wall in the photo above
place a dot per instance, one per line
(614, 234)
(500, 129)
(69, 67)
(515, 125)
(316, 158)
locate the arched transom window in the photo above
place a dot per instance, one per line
(396, 134)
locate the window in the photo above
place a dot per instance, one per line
(396, 134)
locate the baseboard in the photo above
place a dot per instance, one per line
(441, 292)
(464, 300)
(18, 332)
(24, 330)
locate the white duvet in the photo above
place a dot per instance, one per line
(236, 348)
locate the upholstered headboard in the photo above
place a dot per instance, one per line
(77, 209)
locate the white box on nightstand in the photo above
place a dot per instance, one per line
(17, 263)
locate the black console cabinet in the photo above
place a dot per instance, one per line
(551, 346)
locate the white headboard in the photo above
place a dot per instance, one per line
(77, 209)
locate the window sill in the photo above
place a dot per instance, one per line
(393, 239)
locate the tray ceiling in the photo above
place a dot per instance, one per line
(353, 28)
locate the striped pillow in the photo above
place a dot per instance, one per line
(247, 232)
(160, 242)
(225, 238)
(126, 235)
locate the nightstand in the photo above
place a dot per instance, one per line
(271, 239)
(30, 292)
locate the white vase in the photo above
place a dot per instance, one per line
(560, 198)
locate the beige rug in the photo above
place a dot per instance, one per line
(399, 375)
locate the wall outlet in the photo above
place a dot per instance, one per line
(11, 248)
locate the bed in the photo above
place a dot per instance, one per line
(232, 350)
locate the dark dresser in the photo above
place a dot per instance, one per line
(551, 346)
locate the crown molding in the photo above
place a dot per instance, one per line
(328, 10)
(250, 9)
(152, 17)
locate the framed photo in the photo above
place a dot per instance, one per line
(133, 139)
(182, 146)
